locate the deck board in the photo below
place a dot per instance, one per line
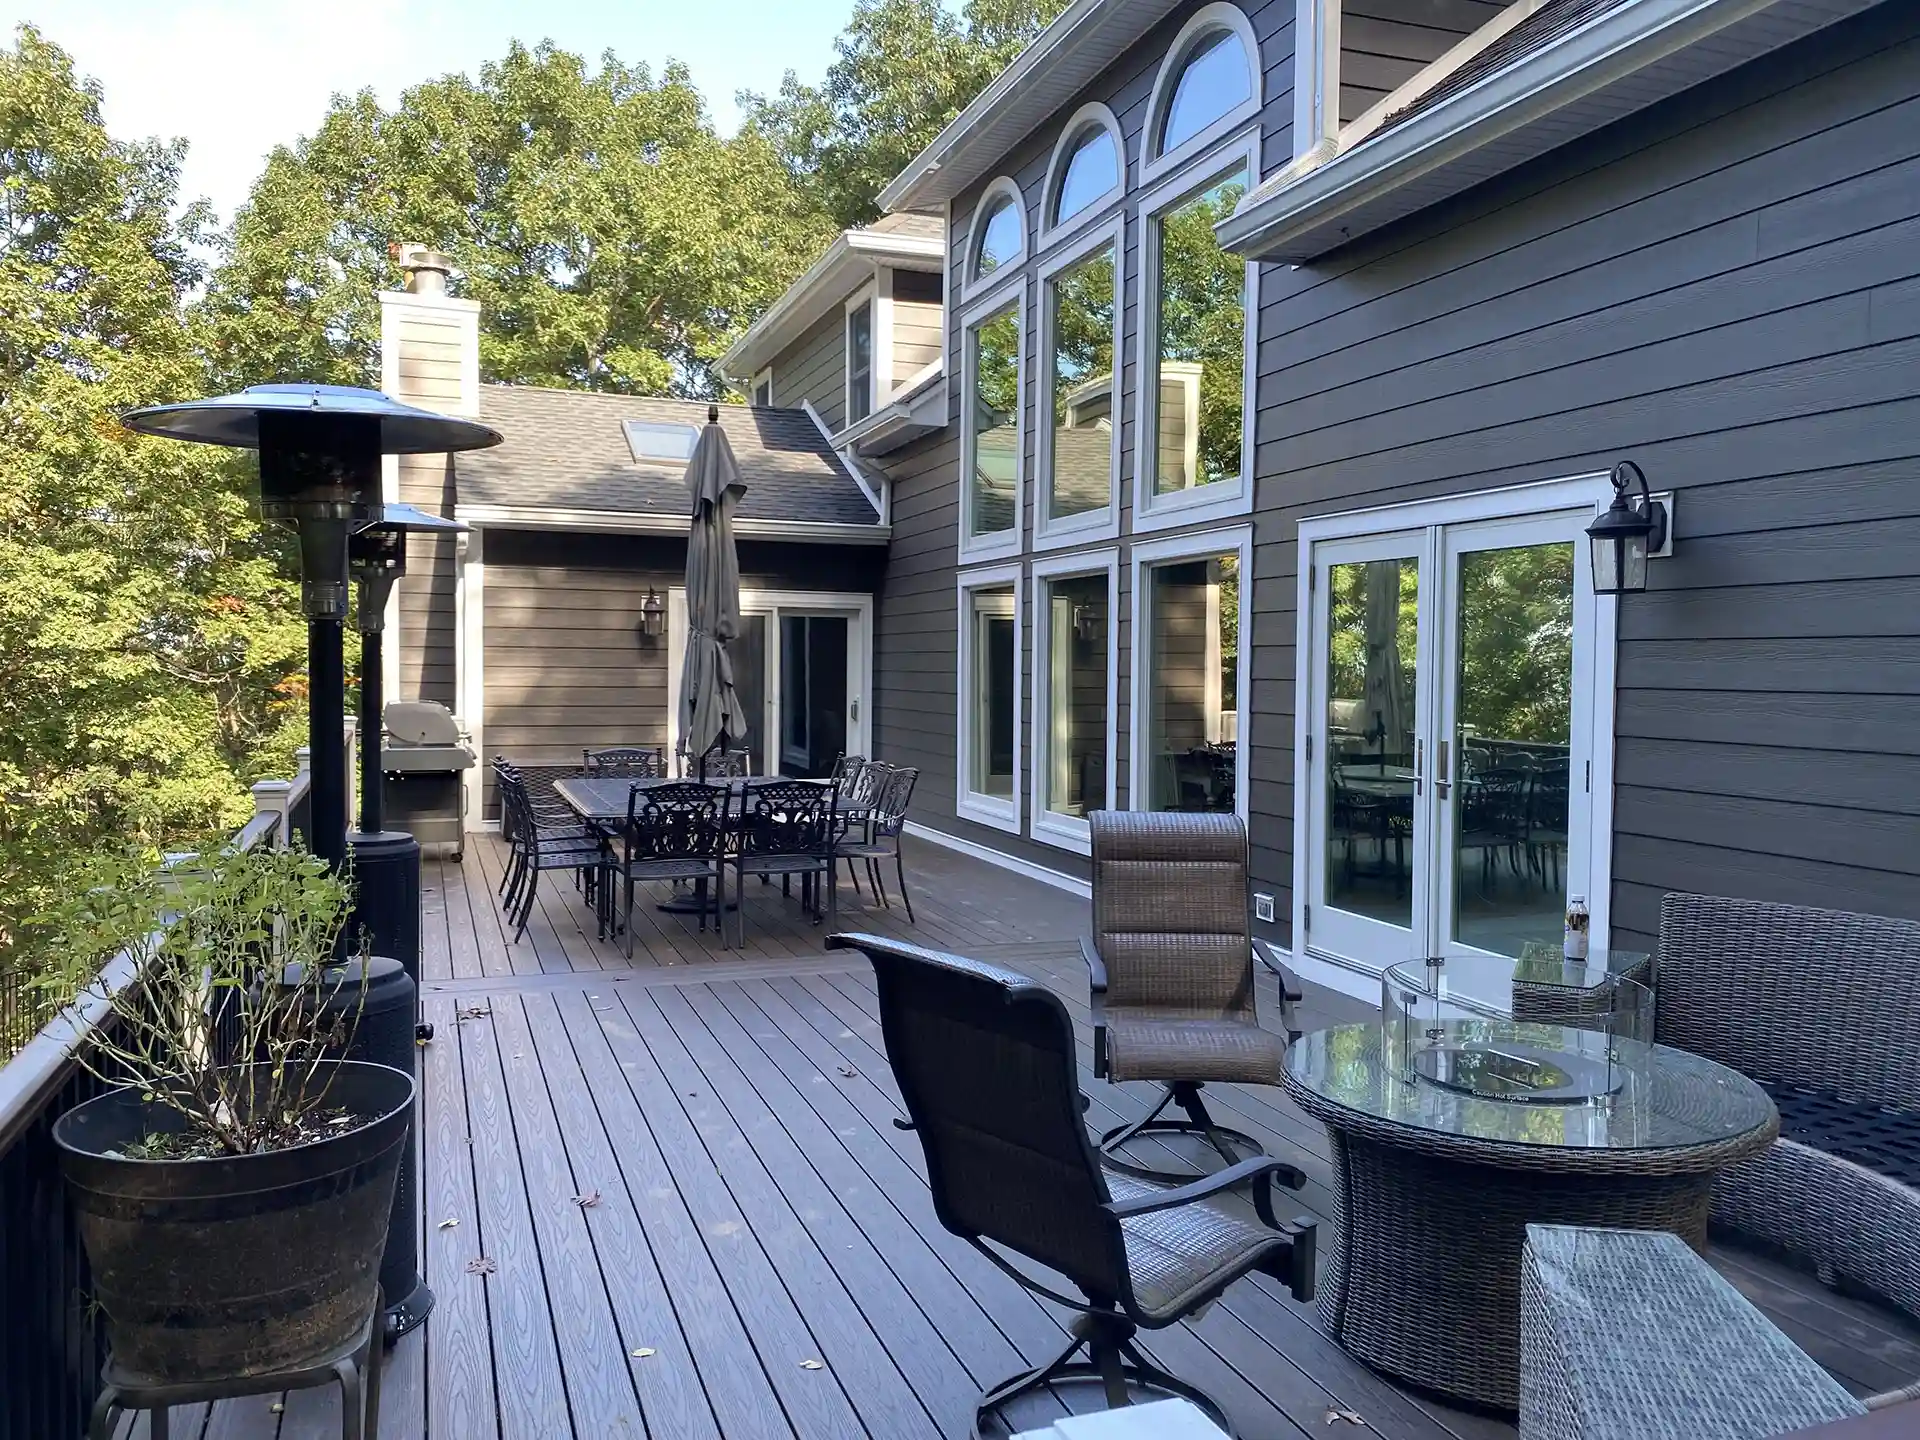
(757, 1207)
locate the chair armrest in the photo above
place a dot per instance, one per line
(1247, 1173)
(1096, 967)
(1290, 992)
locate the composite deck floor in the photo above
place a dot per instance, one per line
(665, 1199)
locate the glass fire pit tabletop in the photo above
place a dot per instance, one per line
(1660, 1098)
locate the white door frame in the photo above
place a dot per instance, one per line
(1593, 677)
(855, 607)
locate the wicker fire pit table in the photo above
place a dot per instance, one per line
(1437, 1186)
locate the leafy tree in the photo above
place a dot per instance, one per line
(150, 649)
(905, 68)
(1202, 319)
(613, 240)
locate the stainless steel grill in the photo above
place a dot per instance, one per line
(421, 758)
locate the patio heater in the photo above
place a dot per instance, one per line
(320, 449)
(386, 863)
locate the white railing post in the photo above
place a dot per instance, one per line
(274, 797)
(352, 723)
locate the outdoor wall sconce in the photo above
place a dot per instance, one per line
(1086, 623)
(653, 616)
(1632, 529)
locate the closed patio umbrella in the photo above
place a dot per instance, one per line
(710, 711)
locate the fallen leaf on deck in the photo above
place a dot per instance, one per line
(473, 1012)
(481, 1265)
(1352, 1417)
(449, 1222)
(643, 1352)
(848, 1071)
(811, 1365)
(276, 1408)
(591, 1198)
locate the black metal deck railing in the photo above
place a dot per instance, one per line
(51, 1345)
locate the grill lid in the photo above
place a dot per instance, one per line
(420, 722)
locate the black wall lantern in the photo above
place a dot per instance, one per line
(1632, 528)
(1086, 623)
(653, 616)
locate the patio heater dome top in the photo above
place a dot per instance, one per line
(235, 419)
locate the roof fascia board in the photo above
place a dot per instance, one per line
(845, 453)
(633, 522)
(1612, 47)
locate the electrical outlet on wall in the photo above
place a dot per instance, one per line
(1263, 907)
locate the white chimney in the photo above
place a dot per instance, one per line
(430, 357)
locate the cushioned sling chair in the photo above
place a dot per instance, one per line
(985, 1062)
(1170, 968)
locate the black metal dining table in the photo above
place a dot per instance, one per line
(601, 801)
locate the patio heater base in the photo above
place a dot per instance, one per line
(386, 886)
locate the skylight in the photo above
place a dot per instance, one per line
(659, 442)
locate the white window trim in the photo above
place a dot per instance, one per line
(971, 284)
(1534, 498)
(1001, 542)
(762, 376)
(1221, 15)
(1225, 499)
(1146, 555)
(878, 292)
(1052, 234)
(1103, 524)
(1049, 827)
(969, 804)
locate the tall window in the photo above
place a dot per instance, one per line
(999, 230)
(859, 362)
(993, 423)
(989, 700)
(1192, 674)
(1198, 322)
(1073, 707)
(1086, 171)
(1082, 307)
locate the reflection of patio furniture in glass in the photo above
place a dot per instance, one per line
(1821, 1007)
(1438, 1183)
(1493, 820)
(1547, 820)
(1550, 989)
(1199, 779)
(1364, 817)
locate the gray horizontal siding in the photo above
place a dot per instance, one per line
(814, 370)
(916, 338)
(1727, 289)
(566, 666)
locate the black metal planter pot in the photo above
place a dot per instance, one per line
(245, 1265)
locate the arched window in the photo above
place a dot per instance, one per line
(1088, 167)
(1209, 83)
(999, 230)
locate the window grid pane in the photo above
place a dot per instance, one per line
(1077, 656)
(1214, 81)
(1092, 169)
(1193, 629)
(1082, 375)
(1000, 238)
(993, 370)
(995, 655)
(1199, 320)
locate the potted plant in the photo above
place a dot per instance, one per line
(232, 1189)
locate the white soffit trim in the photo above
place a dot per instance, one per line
(847, 264)
(1624, 60)
(1083, 40)
(631, 522)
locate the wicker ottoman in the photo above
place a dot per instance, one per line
(1628, 1335)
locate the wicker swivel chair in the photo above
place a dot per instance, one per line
(1821, 1007)
(986, 1066)
(1170, 966)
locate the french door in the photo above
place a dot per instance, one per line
(1457, 686)
(802, 670)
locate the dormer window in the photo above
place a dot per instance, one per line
(859, 362)
(660, 442)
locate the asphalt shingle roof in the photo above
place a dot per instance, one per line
(567, 450)
(1547, 24)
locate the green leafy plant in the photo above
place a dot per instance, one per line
(217, 978)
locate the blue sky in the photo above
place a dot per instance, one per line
(237, 77)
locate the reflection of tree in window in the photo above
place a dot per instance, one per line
(1083, 385)
(1201, 323)
(1214, 80)
(1194, 634)
(999, 237)
(1093, 168)
(1516, 644)
(996, 421)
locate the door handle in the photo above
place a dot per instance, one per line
(1419, 764)
(1443, 776)
(853, 711)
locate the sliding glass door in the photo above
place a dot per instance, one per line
(1449, 738)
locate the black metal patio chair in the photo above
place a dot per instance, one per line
(881, 830)
(539, 847)
(634, 762)
(985, 1062)
(786, 828)
(674, 832)
(734, 764)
